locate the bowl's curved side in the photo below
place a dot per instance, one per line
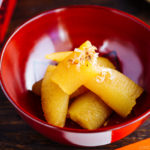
(84, 139)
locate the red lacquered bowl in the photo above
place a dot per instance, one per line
(23, 63)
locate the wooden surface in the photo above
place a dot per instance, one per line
(15, 134)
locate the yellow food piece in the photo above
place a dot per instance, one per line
(76, 69)
(101, 61)
(36, 88)
(58, 56)
(78, 92)
(54, 100)
(115, 89)
(105, 62)
(89, 111)
(86, 44)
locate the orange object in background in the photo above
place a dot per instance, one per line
(141, 145)
(6, 10)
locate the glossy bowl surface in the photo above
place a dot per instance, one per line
(63, 29)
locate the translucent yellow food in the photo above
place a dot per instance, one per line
(58, 56)
(105, 62)
(78, 92)
(54, 100)
(89, 111)
(91, 81)
(76, 69)
(115, 89)
(36, 88)
(101, 61)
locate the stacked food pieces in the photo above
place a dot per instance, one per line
(84, 87)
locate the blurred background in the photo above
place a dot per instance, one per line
(15, 134)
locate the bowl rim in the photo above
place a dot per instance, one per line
(44, 123)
